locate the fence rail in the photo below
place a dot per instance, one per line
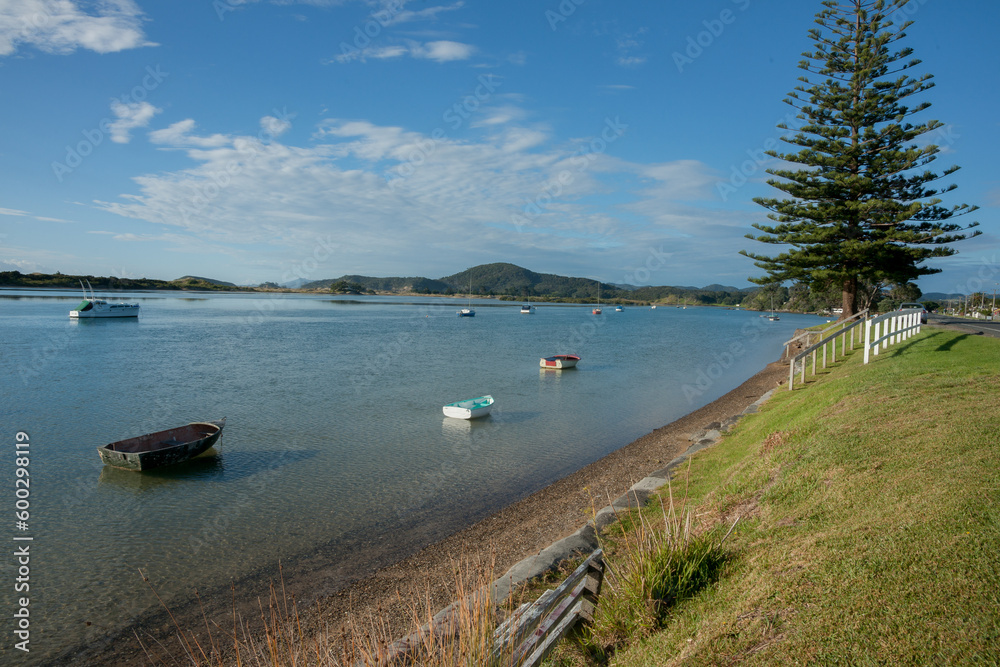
(534, 629)
(826, 342)
(891, 328)
(880, 332)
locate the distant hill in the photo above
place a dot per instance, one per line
(506, 280)
(725, 288)
(210, 281)
(400, 285)
(110, 283)
(940, 296)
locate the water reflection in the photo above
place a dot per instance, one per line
(207, 467)
(99, 321)
(215, 467)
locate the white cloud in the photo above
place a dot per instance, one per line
(444, 51)
(407, 16)
(382, 191)
(275, 127)
(439, 51)
(518, 58)
(62, 27)
(627, 44)
(501, 115)
(129, 116)
(23, 214)
(178, 135)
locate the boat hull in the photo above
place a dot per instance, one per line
(469, 409)
(104, 309)
(559, 361)
(163, 448)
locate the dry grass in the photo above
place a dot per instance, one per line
(461, 635)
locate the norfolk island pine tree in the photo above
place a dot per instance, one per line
(863, 207)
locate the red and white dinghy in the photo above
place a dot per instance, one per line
(559, 361)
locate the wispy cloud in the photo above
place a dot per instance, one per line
(275, 127)
(26, 214)
(444, 51)
(429, 13)
(460, 197)
(179, 135)
(62, 27)
(129, 116)
(439, 51)
(627, 45)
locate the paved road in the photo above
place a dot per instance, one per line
(967, 326)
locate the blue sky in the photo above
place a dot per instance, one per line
(257, 141)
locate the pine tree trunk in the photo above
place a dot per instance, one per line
(849, 298)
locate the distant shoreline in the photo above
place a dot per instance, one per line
(550, 301)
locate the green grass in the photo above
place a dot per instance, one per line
(871, 531)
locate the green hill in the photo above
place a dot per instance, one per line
(197, 279)
(505, 280)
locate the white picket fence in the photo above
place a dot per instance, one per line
(827, 343)
(880, 332)
(889, 329)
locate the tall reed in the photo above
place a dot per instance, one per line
(653, 563)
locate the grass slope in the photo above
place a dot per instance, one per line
(871, 535)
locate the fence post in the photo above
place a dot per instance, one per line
(868, 337)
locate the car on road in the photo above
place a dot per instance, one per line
(923, 311)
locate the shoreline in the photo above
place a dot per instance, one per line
(426, 577)
(523, 529)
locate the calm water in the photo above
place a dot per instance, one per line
(335, 457)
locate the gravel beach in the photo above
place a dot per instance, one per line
(527, 526)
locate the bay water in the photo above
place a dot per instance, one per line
(336, 457)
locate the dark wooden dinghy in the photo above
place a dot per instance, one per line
(162, 448)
